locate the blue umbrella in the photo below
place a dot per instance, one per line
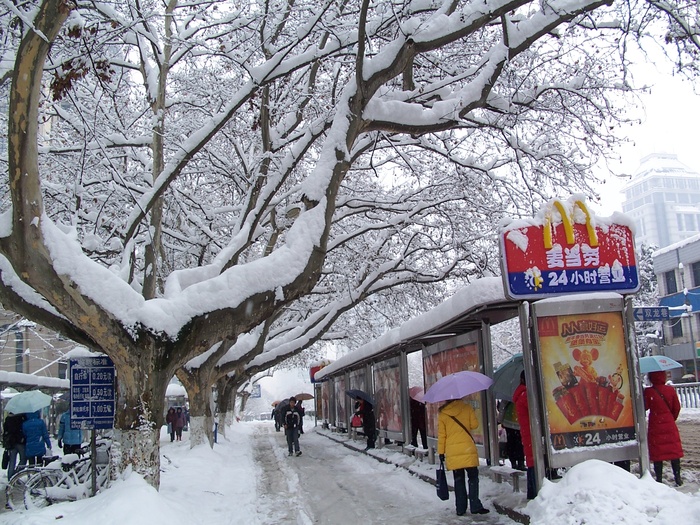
(657, 363)
(26, 402)
(506, 378)
(359, 394)
(457, 386)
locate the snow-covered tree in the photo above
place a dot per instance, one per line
(209, 188)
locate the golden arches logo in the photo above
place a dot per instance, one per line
(558, 441)
(568, 224)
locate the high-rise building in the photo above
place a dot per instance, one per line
(663, 198)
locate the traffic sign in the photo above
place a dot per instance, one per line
(655, 313)
(92, 392)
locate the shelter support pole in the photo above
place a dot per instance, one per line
(532, 379)
(636, 387)
(486, 351)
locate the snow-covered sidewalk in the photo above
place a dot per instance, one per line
(249, 479)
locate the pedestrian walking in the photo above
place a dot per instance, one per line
(664, 439)
(170, 421)
(292, 422)
(69, 439)
(179, 423)
(37, 436)
(457, 449)
(13, 441)
(523, 411)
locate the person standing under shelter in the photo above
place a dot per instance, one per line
(365, 410)
(292, 422)
(457, 449)
(523, 411)
(37, 436)
(664, 439)
(418, 423)
(13, 441)
(69, 439)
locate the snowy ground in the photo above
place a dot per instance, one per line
(249, 479)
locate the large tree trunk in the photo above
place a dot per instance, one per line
(141, 403)
(197, 383)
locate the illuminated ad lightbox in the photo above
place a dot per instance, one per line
(387, 395)
(325, 399)
(445, 358)
(567, 250)
(585, 379)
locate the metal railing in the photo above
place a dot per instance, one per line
(689, 394)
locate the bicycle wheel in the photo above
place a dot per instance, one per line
(14, 491)
(37, 487)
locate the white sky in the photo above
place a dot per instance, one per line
(228, 485)
(669, 125)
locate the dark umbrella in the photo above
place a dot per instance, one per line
(506, 378)
(303, 396)
(359, 394)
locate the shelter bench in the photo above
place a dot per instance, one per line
(502, 473)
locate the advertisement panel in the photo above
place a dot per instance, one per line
(387, 394)
(543, 257)
(585, 380)
(340, 400)
(325, 400)
(444, 359)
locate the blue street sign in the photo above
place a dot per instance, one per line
(654, 313)
(92, 392)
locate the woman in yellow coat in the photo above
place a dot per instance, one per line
(458, 450)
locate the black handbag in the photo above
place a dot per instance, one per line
(5, 459)
(443, 492)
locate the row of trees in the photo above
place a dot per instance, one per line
(208, 189)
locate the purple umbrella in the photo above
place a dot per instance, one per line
(457, 386)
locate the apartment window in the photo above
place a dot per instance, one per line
(684, 198)
(679, 222)
(670, 279)
(689, 222)
(677, 328)
(19, 351)
(695, 269)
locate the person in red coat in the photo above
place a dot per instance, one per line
(521, 408)
(664, 440)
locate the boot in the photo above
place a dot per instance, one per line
(658, 471)
(676, 466)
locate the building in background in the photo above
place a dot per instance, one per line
(29, 348)
(677, 270)
(663, 198)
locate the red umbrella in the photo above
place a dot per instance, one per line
(416, 393)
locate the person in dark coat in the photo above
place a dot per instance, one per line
(170, 420)
(37, 436)
(507, 417)
(523, 411)
(664, 439)
(292, 422)
(369, 424)
(13, 441)
(418, 423)
(179, 423)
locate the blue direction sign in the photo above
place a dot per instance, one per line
(654, 313)
(92, 392)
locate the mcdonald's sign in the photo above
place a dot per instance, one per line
(565, 251)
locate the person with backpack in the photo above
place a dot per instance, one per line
(13, 441)
(292, 423)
